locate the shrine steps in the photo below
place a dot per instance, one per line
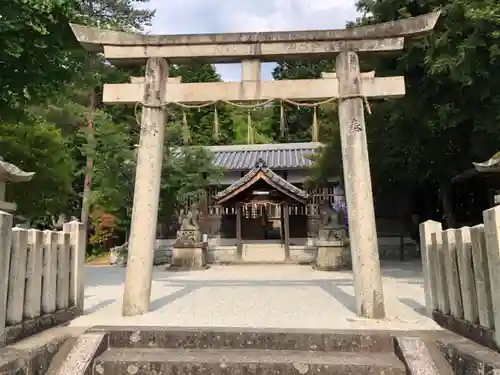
(227, 351)
(265, 263)
(262, 253)
(241, 361)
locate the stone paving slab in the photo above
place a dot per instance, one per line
(247, 355)
(278, 296)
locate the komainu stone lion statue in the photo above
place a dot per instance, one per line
(189, 231)
(330, 227)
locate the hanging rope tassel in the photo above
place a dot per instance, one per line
(216, 124)
(249, 128)
(282, 119)
(367, 105)
(185, 129)
(315, 128)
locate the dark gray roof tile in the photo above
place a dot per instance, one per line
(276, 156)
(260, 165)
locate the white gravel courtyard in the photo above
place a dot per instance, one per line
(271, 296)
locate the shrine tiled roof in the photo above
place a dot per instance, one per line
(281, 156)
(262, 171)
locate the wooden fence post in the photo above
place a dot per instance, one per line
(17, 278)
(5, 249)
(442, 286)
(452, 275)
(492, 232)
(33, 297)
(77, 240)
(482, 276)
(49, 282)
(429, 263)
(466, 272)
(63, 271)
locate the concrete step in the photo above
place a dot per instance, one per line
(442, 365)
(265, 253)
(421, 356)
(263, 246)
(61, 356)
(241, 361)
(232, 338)
(285, 262)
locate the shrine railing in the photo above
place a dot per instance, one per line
(41, 278)
(462, 278)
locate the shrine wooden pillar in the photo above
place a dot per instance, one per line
(286, 229)
(239, 239)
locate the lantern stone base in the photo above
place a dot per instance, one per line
(332, 256)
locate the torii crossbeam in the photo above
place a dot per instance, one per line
(350, 86)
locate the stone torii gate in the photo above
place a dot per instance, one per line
(351, 87)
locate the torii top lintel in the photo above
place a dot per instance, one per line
(265, 46)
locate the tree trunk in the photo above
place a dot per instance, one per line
(89, 165)
(445, 194)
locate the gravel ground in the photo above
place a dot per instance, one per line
(280, 296)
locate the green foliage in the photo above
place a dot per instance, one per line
(299, 120)
(113, 172)
(201, 121)
(35, 51)
(261, 124)
(448, 117)
(123, 15)
(38, 147)
(185, 174)
(327, 163)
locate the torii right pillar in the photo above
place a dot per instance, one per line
(358, 190)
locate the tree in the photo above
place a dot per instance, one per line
(117, 14)
(114, 168)
(200, 122)
(261, 124)
(449, 114)
(186, 175)
(187, 172)
(38, 147)
(112, 14)
(328, 162)
(35, 52)
(299, 120)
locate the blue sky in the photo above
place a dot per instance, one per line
(217, 16)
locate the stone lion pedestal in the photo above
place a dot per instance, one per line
(188, 253)
(333, 253)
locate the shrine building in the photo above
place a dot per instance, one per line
(262, 211)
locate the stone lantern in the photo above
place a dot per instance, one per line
(9, 173)
(491, 165)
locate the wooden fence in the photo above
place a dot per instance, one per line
(461, 270)
(41, 278)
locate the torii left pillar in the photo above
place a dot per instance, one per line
(141, 247)
(358, 190)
